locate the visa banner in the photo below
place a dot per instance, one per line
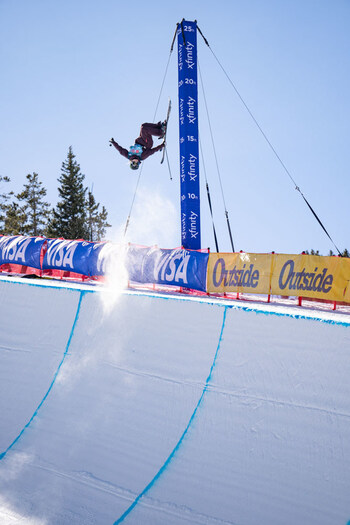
(20, 249)
(97, 259)
(279, 274)
(177, 267)
(106, 258)
(71, 256)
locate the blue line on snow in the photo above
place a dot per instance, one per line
(3, 454)
(179, 443)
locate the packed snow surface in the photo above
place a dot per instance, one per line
(148, 408)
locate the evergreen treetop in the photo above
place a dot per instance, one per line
(69, 216)
(4, 198)
(96, 220)
(36, 209)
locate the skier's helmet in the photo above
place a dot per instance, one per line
(135, 164)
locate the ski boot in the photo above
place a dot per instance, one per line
(162, 126)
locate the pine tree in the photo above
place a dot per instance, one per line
(92, 213)
(36, 209)
(4, 198)
(69, 216)
(15, 219)
(97, 221)
(102, 224)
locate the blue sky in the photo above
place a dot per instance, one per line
(76, 73)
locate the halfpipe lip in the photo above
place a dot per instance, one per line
(314, 312)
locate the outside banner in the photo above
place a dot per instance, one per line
(311, 276)
(20, 249)
(276, 274)
(171, 267)
(188, 128)
(71, 256)
(239, 272)
(347, 293)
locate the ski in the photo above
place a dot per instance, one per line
(166, 129)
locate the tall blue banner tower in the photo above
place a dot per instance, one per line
(188, 117)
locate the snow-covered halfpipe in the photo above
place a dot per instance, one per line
(159, 409)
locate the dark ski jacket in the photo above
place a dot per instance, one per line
(144, 155)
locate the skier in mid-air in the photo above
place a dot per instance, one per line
(142, 148)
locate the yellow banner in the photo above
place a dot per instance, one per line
(239, 272)
(310, 276)
(276, 274)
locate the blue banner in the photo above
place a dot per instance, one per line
(147, 265)
(102, 258)
(68, 256)
(170, 267)
(19, 249)
(96, 261)
(188, 125)
(151, 265)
